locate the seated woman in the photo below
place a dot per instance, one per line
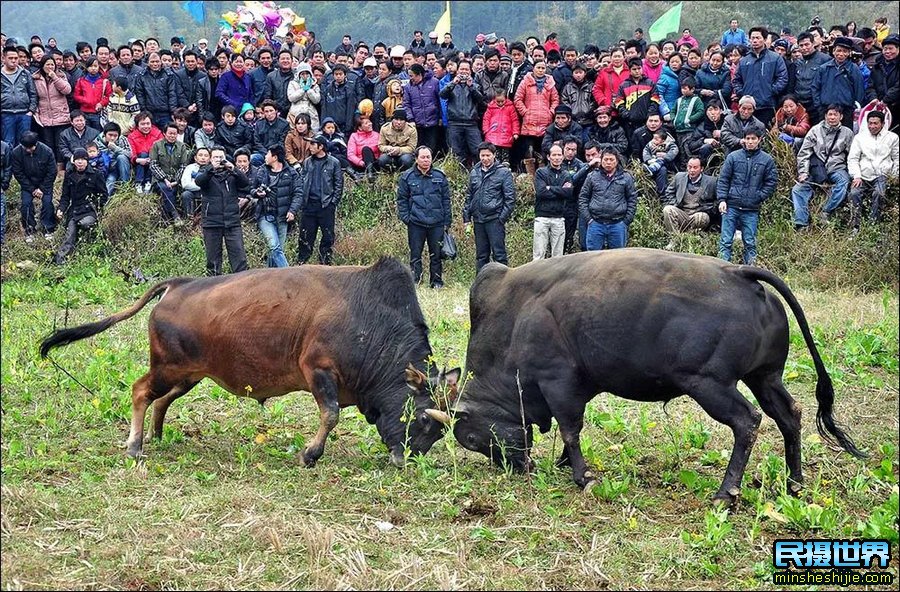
(296, 144)
(792, 122)
(362, 150)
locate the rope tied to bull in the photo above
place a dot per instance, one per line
(54, 362)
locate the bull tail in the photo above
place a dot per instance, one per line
(828, 428)
(62, 337)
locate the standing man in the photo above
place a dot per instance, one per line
(321, 188)
(423, 204)
(34, 167)
(220, 185)
(747, 179)
(874, 156)
(608, 200)
(18, 97)
(839, 82)
(463, 99)
(734, 35)
(489, 204)
(423, 106)
(822, 159)
(762, 74)
(811, 60)
(553, 188)
(884, 81)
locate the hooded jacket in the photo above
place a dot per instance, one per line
(304, 99)
(500, 124)
(536, 108)
(53, 104)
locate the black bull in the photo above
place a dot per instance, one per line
(642, 324)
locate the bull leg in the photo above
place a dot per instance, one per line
(778, 404)
(725, 404)
(326, 393)
(142, 395)
(564, 460)
(161, 405)
(569, 413)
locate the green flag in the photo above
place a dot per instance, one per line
(670, 22)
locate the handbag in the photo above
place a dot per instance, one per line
(448, 247)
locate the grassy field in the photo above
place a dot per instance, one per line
(224, 501)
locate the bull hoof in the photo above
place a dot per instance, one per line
(589, 487)
(794, 488)
(135, 452)
(723, 500)
(310, 458)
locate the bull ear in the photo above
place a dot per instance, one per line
(451, 377)
(449, 380)
(414, 378)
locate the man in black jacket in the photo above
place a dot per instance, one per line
(277, 81)
(189, 79)
(83, 196)
(268, 131)
(34, 167)
(608, 200)
(490, 200)
(553, 187)
(423, 204)
(321, 188)
(157, 91)
(220, 185)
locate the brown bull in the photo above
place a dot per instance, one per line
(349, 335)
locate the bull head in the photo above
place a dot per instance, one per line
(446, 380)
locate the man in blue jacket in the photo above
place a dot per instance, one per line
(423, 204)
(747, 179)
(839, 82)
(734, 35)
(763, 74)
(422, 103)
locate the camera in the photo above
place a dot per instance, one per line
(815, 22)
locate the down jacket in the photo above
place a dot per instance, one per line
(359, 140)
(157, 92)
(34, 171)
(87, 94)
(422, 103)
(53, 104)
(608, 199)
(747, 179)
(536, 108)
(491, 194)
(304, 100)
(142, 143)
(424, 199)
(285, 188)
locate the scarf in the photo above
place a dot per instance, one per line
(92, 78)
(239, 74)
(539, 83)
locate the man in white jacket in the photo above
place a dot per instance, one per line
(190, 195)
(874, 156)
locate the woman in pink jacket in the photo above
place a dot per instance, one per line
(536, 98)
(362, 149)
(501, 125)
(52, 113)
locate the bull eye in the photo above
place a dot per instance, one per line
(471, 439)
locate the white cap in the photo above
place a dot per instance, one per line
(433, 35)
(397, 51)
(370, 62)
(203, 41)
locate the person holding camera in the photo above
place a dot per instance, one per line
(275, 186)
(220, 185)
(463, 100)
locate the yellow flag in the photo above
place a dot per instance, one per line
(443, 25)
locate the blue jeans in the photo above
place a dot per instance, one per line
(2, 217)
(48, 213)
(142, 171)
(609, 236)
(167, 200)
(747, 222)
(275, 234)
(119, 170)
(801, 193)
(490, 239)
(14, 126)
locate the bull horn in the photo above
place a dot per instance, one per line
(438, 415)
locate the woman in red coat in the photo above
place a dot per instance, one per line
(52, 113)
(536, 98)
(92, 93)
(142, 137)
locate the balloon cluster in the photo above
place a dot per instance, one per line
(259, 24)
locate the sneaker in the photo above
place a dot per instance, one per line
(825, 217)
(437, 286)
(855, 231)
(29, 238)
(738, 236)
(178, 222)
(48, 236)
(148, 187)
